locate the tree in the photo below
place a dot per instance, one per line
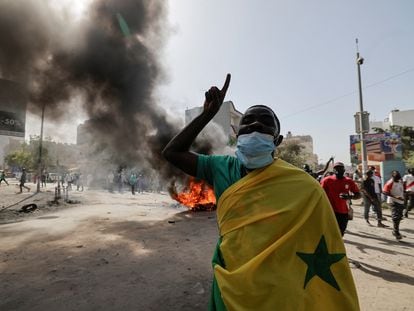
(20, 158)
(34, 149)
(292, 152)
(28, 156)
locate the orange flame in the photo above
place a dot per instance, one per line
(197, 195)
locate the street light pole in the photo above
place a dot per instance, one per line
(360, 61)
(39, 168)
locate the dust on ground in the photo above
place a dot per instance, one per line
(118, 251)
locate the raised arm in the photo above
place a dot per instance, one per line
(323, 171)
(177, 151)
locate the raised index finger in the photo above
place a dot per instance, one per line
(226, 85)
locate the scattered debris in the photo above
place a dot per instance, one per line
(73, 201)
(54, 202)
(28, 208)
(103, 260)
(198, 289)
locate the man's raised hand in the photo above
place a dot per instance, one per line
(215, 97)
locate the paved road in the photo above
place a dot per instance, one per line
(124, 252)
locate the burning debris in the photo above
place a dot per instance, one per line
(197, 195)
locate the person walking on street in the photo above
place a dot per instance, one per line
(394, 190)
(3, 177)
(370, 198)
(378, 187)
(79, 182)
(43, 179)
(408, 181)
(133, 182)
(340, 190)
(23, 180)
(273, 240)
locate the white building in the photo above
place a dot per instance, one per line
(396, 117)
(228, 118)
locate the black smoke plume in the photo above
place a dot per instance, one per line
(114, 73)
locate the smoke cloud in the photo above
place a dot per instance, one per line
(112, 72)
(111, 68)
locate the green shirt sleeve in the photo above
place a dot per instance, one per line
(219, 171)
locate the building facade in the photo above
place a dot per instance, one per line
(306, 141)
(13, 100)
(395, 118)
(228, 118)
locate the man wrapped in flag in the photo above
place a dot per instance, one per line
(280, 247)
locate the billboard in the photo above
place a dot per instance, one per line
(13, 101)
(380, 147)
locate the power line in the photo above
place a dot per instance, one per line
(348, 94)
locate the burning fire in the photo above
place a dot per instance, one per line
(197, 195)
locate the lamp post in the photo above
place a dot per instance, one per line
(39, 168)
(362, 115)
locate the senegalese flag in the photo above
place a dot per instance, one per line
(123, 24)
(280, 247)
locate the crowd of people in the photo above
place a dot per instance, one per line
(276, 227)
(136, 181)
(398, 192)
(118, 180)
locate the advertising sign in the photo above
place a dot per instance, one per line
(12, 109)
(11, 124)
(380, 147)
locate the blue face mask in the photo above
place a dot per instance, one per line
(254, 150)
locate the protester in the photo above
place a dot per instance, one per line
(23, 178)
(133, 182)
(140, 183)
(110, 181)
(119, 180)
(69, 181)
(408, 181)
(3, 177)
(43, 179)
(79, 182)
(370, 198)
(274, 220)
(394, 190)
(321, 172)
(340, 189)
(378, 187)
(357, 177)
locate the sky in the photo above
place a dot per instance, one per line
(298, 57)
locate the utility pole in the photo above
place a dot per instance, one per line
(362, 116)
(39, 168)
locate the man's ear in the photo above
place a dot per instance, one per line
(278, 140)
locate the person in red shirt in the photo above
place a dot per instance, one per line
(340, 190)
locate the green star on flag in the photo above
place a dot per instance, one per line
(319, 263)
